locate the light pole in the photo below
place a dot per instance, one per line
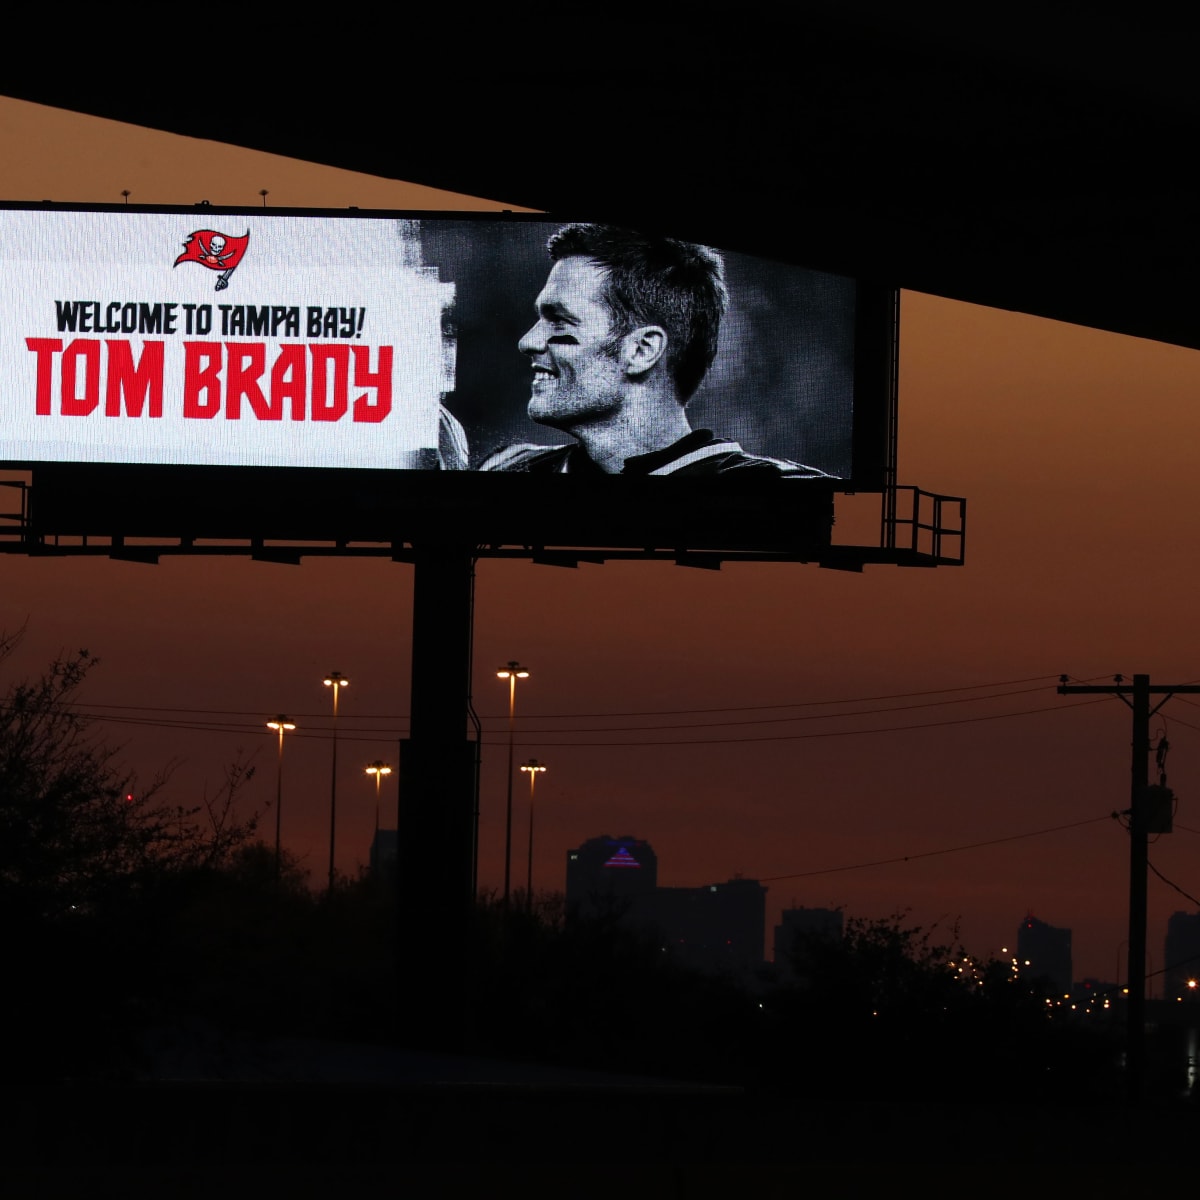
(333, 680)
(379, 769)
(533, 767)
(512, 673)
(282, 725)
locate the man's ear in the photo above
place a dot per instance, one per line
(641, 348)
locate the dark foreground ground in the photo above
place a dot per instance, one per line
(415, 1125)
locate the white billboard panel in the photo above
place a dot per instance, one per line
(206, 339)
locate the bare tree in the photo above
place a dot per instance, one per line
(75, 823)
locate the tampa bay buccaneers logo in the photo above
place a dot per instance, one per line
(216, 251)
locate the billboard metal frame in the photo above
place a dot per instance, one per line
(919, 529)
(143, 512)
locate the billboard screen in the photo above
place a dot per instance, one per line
(484, 344)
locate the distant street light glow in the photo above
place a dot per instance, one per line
(281, 725)
(333, 680)
(379, 770)
(512, 672)
(534, 768)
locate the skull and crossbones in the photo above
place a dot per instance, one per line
(214, 254)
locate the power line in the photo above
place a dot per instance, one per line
(1170, 884)
(247, 729)
(649, 713)
(805, 703)
(384, 734)
(866, 712)
(390, 732)
(1176, 721)
(796, 737)
(242, 730)
(884, 862)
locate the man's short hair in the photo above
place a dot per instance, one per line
(656, 281)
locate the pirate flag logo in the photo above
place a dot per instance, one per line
(216, 251)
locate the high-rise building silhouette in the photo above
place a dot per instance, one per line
(1181, 956)
(608, 874)
(1044, 952)
(717, 927)
(797, 930)
(384, 857)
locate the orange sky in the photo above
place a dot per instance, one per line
(1074, 449)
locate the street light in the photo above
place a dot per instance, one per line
(333, 680)
(379, 769)
(282, 725)
(512, 673)
(533, 767)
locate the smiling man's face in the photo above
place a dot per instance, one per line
(577, 373)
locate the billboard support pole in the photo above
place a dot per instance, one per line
(436, 814)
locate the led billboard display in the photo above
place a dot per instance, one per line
(414, 343)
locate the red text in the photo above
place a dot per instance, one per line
(232, 379)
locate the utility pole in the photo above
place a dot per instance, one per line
(1143, 819)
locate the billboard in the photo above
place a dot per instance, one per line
(434, 345)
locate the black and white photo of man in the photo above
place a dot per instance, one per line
(626, 328)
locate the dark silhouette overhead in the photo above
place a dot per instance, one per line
(1045, 166)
